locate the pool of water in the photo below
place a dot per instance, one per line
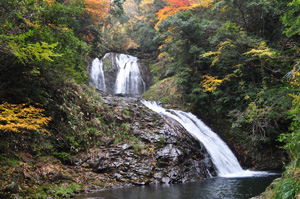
(214, 188)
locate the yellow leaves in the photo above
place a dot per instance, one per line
(294, 80)
(146, 2)
(130, 44)
(169, 38)
(31, 24)
(151, 150)
(254, 112)
(262, 51)
(50, 1)
(203, 4)
(210, 83)
(216, 54)
(21, 118)
(147, 5)
(59, 28)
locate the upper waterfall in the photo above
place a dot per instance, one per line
(97, 75)
(224, 160)
(117, 73)
(129, 80)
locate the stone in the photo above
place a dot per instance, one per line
(166, 180)
(158, 175)
(168, 155)
(126, 146)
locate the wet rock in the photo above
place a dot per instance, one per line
(166, 180)
(162, 151)
(126, 146)
(140, 183)
(158, 175)
(149, 136)
(117, 176)
(174, 174)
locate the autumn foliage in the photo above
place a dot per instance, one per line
(21, 118)
(173, 7)
(98, 9)
(176, 6)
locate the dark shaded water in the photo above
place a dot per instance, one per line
(214, 188)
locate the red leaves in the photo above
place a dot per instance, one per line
(174, 7)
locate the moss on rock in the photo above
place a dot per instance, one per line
(167, 92)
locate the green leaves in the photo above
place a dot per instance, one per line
(291, 19)
(34, 52)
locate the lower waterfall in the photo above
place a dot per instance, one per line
(224, 160)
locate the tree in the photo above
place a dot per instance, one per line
(174, 7)
(22, 118)
(291, 19)
(98, 9)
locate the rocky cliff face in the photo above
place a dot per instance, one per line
(162, 150)
(156, 149)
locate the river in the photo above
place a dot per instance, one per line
(213, 188)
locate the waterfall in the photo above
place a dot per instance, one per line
(97, 75)
(117, 74)
(224, 160)
(129, 80)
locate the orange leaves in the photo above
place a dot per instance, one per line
(174, 7)
(98, 9)
(22, 118)
(50, 1)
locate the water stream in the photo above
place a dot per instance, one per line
(125, 68)
(224, 160)
(213, 188)
(97, 75)
(129, 80)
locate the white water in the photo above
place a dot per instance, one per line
(224, 160)
(97, 75)
(129, 80)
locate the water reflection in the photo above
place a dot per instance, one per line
(214, 188)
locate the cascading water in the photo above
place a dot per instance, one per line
(120, 76)
(129, 80)
(224, 160)
(97, 75)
